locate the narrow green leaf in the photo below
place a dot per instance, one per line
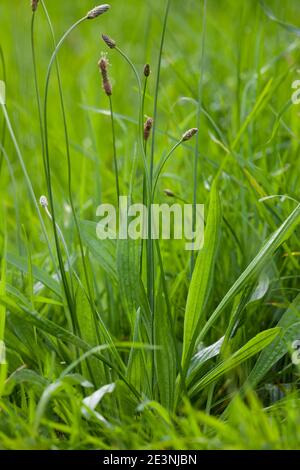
(252, 347)
(128, 275)
(256, 265)
(201, 280)
(290, 331)
(202, 356)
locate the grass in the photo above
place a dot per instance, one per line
(115, 344)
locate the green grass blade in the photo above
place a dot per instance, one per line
(252, 347)
(290, 326)
(201, 280)
(288, 26)
(256, 265)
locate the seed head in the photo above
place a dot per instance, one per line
(109, 41)
(147, 70)
(147, 128)
(169, 193)
(189, 134)
(43, 201)
(103, 66)
(97, 11)
(34, 5)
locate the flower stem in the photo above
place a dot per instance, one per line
(114, 149)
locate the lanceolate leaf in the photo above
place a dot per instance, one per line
(128, 275)
(202, 356)
(260, 260)
(254, 346)
(290, 331)
(201, 279)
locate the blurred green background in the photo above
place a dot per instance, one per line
(244, 49)
(240, 42)
(244, 81)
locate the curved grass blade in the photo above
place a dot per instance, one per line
(252, 347)
(290, 326)
(288, 26)
(256, 265)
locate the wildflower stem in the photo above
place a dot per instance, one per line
(96, 318)
(157, 86)
(150, 250)
(114, 148)
(141, 142)
(70, 300)
(151, 284)
(37, 92)
(161, 165)
(197, 141)
(144, 179)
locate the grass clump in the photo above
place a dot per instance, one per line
(139, 344)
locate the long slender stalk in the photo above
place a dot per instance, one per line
(150, 245)
(161, 165)
(146, 172)
(96, 316)
(141, 141)
(149, 176)
(54, 59)
(199, 114)
(69, 297)
(114, 148)
(150, 251)
(162, 41)
(37, 92)
(144, 179)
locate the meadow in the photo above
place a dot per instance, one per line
(142, 344)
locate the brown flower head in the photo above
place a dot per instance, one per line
(147, 128)
(103, 67)
(109, 41)
(97, 11)
(34, 5)
(147, 70)
(189, 134)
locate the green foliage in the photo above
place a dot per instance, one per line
(122, 344)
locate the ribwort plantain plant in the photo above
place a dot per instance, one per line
(97, 11)
(134, 342)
